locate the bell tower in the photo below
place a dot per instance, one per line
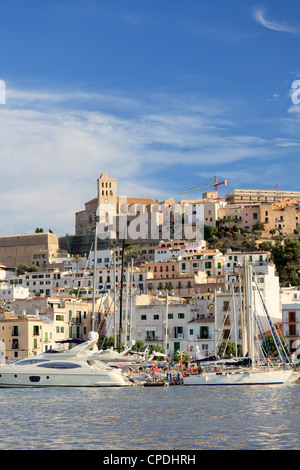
(107, 204)
(107, 190)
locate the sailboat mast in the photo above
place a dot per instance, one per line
(94, 276)
(248, 306)
(131, 287)
(121, 296)
(166, 322)
(115, 303)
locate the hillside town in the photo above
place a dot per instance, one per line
(164, 274)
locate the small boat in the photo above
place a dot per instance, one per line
(76, 367)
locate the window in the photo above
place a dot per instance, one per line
(292, 330)
(203, 332)
(226, 334)
(15, 331)
(292, 317)
(226, 305)
(143, 317)
(180, 315)
(60, 365)
(155, 317)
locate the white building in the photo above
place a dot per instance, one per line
(266, 280)
(11, 292)
(291, 325)
(76, 264)
(176, 249)
(189, 327)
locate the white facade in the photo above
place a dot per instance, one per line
(171, 251)
(10, 292)
(266, 280)
(103, 260)
(190, 327)
(291, 325)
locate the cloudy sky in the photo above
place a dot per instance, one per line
(162, 95)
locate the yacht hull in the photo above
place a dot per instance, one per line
(17, 379)
(251, 377)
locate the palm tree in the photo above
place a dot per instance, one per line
(77, 259)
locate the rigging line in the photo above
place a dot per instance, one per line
(275, 336)
(223, 324)
(104, 289)
(107, 329)
(106, 314)
(84, 271)
(263, 338)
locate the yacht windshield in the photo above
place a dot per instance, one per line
(60, 365)
(26, 362)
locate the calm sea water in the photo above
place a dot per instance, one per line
(167, 418)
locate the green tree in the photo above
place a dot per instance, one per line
(77, 258)
(23, 268)
(258, 226)
(270, 344)
(131, 251)
(227, 348)
(286, 258)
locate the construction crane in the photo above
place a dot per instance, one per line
(215, 184)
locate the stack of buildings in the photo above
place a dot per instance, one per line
(177, 292)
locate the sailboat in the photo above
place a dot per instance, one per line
(246, 371)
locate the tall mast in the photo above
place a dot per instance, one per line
(115, 303)
(248, 306)
(121, 295)
(130, 319)
(94, 275)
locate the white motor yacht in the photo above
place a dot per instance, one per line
(76, 367)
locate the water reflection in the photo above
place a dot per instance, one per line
(151, 418)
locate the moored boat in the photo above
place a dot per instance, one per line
(76, 367)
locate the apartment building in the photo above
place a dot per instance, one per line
(19, 337)
(10, 292)
(291, 325)
(246, 196)
(283, 217)
(175, 249)
(210, 262)
(180, 326)
(206, 210)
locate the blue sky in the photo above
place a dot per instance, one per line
(162, 95)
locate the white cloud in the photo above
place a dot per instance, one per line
(274, 25)
(54, 146)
